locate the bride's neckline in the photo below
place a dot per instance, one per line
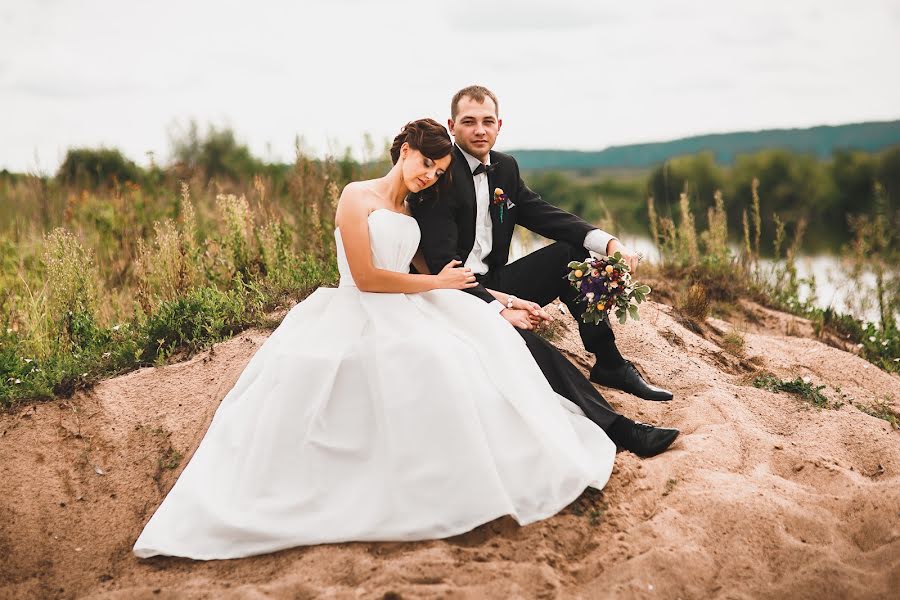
(338, 229)
(390, 211)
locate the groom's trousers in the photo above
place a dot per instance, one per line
(567, 381)
(542, 277)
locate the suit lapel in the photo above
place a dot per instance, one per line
(464, 188)
(463, 178)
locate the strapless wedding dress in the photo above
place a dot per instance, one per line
(379, 417)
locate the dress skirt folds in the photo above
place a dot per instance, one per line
(379, 417)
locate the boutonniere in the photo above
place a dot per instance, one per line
(503, 200)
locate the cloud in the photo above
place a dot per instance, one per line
(493, 17)
(71, 89)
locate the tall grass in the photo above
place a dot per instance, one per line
(705, 262)
(99, 280)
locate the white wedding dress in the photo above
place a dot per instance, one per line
(379, 417)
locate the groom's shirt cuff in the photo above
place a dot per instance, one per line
(497, 305)
(597, 240)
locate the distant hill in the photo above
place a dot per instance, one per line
(822, 140)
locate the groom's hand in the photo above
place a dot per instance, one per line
(631, 258)
(518, 317)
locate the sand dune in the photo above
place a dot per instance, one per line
(762, 495)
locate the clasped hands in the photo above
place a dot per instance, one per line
(525, 314)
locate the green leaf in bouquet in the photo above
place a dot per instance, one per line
(633, 311)
(643, 289)
(622, 314)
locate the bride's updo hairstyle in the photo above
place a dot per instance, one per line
(425, 135)
(431, 139)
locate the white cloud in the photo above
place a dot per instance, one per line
(568, 74)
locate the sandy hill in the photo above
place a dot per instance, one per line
(762, 495)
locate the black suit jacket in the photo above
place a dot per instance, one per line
(447, 218)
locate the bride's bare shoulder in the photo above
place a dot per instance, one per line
(357, 200)
(352, 192)
(358, 189)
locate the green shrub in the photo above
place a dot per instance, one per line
(97, 167)
(203, 316)
(217, 154)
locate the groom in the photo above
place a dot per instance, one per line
(475, 224)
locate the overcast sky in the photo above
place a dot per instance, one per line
(583, 75)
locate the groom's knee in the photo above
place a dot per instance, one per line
(567, 252)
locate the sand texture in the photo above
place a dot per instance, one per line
(762, 495)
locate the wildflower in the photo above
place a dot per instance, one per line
(589, 295)
(884, 343)
(107, 354)
(859, 345)
(871, 338)
(28, 360)
(578, 273)
(609, 268)
(116, 328)
(807, 379)
(18, 381)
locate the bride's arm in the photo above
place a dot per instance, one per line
(503, 298)
(535, 314)
(352, 219)
(421, 266)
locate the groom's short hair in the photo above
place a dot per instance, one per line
(477, 93)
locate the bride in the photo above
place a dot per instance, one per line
(391, 408)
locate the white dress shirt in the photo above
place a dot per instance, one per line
(596, 240)
(483, 226)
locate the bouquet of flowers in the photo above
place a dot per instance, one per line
(605, 283)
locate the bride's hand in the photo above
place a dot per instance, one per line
(536, 313)
(454, 277)
(518, 317)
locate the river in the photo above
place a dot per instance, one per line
(833, 287)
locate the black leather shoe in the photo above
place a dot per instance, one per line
(627, 379)
(642, 439)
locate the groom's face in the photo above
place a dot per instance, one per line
(476, 126)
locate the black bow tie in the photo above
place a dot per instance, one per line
(483, 168)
